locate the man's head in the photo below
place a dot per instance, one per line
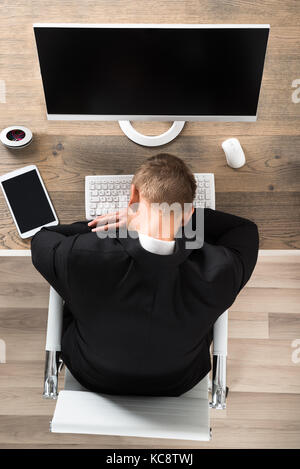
(163, 181)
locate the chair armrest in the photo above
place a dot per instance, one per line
(219, 389)
(55, 321)
(221, 335)
(53, 360)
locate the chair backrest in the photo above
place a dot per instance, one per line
(53, 348)
(55, 320)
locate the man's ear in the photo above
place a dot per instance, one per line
(187, 214)
(134, 195)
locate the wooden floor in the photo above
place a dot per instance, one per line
(264, 400)
(266, 189)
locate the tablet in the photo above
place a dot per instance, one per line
(28, 200)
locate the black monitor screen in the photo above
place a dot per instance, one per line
(28, 201)
(152, 71)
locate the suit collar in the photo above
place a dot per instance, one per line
(156, 246)
(131, 244)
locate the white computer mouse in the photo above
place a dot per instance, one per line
(235, 155)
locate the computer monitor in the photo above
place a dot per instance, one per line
(151, 72)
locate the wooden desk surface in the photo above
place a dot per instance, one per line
(266, 189)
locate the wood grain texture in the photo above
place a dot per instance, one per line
(246, 377)
(286, 326)
(265, 190)
(248, 325)
(273, 272)
(67, 151)
(17, 270)
(268, 300)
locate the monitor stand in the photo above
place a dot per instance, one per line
(152, 141)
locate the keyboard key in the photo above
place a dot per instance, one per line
(106, 194)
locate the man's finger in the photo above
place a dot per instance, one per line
(104, 219)
(106, 227)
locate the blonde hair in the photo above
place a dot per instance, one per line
(165, 178)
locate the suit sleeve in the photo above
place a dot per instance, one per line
(79, 227)
(239, 236)
(50, 251)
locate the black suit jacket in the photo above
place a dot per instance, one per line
(141, 322)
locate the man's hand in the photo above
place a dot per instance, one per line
(109, 221)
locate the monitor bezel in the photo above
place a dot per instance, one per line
(181, 117)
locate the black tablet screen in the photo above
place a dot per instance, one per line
(28, 201)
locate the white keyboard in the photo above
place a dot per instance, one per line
(106, 194)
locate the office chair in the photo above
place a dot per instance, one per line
(78, 410)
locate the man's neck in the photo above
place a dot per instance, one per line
(152, 223)
(158, 229)
(155, 245)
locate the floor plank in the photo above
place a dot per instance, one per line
(277, 272)
(269, 300)
(245, 325)
(284, 326)
(246, 377)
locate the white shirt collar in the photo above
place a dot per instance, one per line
(156, 246)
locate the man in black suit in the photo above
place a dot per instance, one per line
(140, 305)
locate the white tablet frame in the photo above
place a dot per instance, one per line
(17, 172)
